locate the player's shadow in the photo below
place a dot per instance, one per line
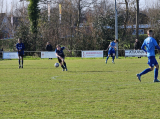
(26, 68)
(88, 71)
(37, 68)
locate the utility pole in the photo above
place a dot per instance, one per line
(12, 27)
(137, 20)
(116, 29)
(49, 11)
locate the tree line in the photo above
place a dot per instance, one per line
(84, 25)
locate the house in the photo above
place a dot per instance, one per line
(2, 16)
(7, 29)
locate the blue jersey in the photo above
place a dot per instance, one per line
(112, 44)
(60, 52)
(150, 44)
(20, 46)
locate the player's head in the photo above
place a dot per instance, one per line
(136, 40)
(149, 32)
(48, 43)
(19, 40)
(116, 40)
(58, 47)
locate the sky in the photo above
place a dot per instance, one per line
(143, 4)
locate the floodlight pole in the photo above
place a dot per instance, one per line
(116, 29)
(49, 12)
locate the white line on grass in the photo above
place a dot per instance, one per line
(54, 77)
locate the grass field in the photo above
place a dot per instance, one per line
(90, 89)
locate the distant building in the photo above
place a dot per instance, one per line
(8, 26)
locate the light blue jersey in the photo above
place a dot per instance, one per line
(112, 44)
(150, 44)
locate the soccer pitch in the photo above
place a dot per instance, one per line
(90, 89)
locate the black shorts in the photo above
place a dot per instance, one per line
(59, 60)
(20, 54)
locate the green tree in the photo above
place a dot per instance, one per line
(33, 13)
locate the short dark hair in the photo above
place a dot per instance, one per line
(150, 31)
(20, 39)
(58, 46)
(116, 40)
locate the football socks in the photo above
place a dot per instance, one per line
(155, 73)
(64, 64)
(19, 62)
(113, 58)
(107, 58)
(145, 71)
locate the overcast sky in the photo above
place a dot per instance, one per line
(143, 4)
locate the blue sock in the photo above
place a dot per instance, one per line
(155, 73)
(107, 58)
(113, 58)
(145, 71)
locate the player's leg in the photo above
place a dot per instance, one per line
(22, 60)
(113, 56)
(19, 60)
(61, 63)
(151, 64)
(63, 68)
(108, 57)
(156, 71)
(144, 72)
(65, 65)
(109, 54)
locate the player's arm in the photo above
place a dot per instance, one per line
(56, 53)
(108, 47)
(17, 47)
(58, 56)
(67, 49)
(143, 45)
(157, 47)
(156, 44)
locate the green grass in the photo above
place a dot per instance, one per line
(90, 89)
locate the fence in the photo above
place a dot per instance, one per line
(73, 53)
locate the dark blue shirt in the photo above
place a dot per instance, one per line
(20, 46)
(60, 52)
